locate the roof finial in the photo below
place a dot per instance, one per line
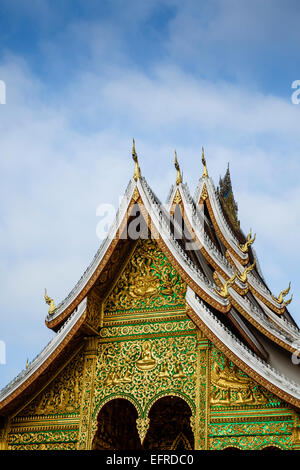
(27, 363)
(179, 177)
(50, 302)
(282, 294)
(205, 174)
(137, 171)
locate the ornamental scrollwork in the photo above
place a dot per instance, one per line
(167, 327)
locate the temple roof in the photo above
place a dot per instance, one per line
(227, 295)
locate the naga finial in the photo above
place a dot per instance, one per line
(205, 174)
(282, 294)
(243, 276)
(249, 241)
(179, 177)
(50, 302)
(224, 291)
(137, 171)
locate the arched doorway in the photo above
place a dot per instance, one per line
(169, 427)
(117, 427)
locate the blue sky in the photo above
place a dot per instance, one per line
(83, 78)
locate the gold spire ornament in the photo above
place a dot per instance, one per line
(224, 291)
(50, 302)
(27, 363)
(179, 177)
(137, 171)
(249, 241)
(205, 174)
(244, 275)
(282, 294)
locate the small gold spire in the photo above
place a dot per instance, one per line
(50, 302)
(244, 275)
(224, 291)
(27, 363)
(282, 294)
(249, 241)
(179, 177)
(137, 171)
(205, 174)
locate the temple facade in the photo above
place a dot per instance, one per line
(170, 340)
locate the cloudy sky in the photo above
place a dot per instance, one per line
(83, 77)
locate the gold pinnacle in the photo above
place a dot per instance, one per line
(179, 177)
(205, 174)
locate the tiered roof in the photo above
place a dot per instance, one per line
(227, 296)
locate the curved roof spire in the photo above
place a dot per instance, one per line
(137, 170)
(205, 174)
(179, 177)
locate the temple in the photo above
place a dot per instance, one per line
(171, 339)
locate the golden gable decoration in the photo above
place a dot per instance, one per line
(148, 282)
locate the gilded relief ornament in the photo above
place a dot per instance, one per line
(148, 282)
(177, 198)
(146, 362)
(142, 425)
(281, 296)
(137, 171)
(50, 302)
(62, 396)
(229, 386)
